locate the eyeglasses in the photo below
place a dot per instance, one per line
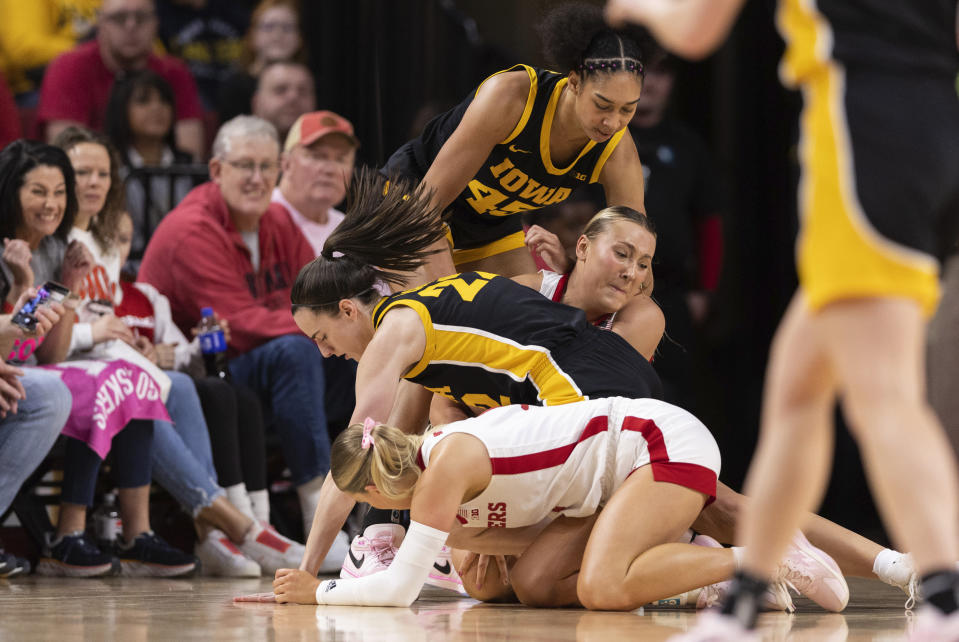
(122, 18)
(249, 167)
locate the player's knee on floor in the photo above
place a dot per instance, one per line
(597, 591)
(493, 589)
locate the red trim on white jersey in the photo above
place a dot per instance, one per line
(547, 458)
(569, 459)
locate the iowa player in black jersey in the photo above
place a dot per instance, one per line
(476, 338)
(527, 137)
(879, 203)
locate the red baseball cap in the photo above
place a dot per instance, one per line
(313, 126)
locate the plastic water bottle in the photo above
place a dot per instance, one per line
(213, 346)
(107, 522)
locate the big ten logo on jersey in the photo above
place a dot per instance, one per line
(97, 285)
(467, 291)
(528, 193)
(496, 517)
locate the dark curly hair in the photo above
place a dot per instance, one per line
(17, 160)
(574, 35)
(103, 226)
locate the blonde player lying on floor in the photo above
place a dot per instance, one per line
(610, 278)
(650, 465)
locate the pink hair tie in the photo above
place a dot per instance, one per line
(368, 427)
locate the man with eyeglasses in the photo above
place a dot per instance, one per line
(76, 86)
(228, 247)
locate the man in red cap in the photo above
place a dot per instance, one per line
(227, 247)
(317, 166)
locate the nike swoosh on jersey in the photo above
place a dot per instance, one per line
(514, 148)
(445, 569)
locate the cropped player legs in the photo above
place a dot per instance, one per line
(789, 471)
(878, 347)
(875, 350)
(632, 557)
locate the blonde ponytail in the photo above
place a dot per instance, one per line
(389, 463)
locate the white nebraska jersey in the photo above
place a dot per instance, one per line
(568, 460)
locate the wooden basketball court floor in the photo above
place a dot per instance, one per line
(131, 610)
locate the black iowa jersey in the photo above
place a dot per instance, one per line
(882, 35)
(518, 175)
(493, 342)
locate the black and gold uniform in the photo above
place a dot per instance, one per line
(879, 195)
(518, 175)
(492, 342)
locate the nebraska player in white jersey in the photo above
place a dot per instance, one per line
(650, 466)
(547, 464)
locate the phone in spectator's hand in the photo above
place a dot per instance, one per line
(26, 317)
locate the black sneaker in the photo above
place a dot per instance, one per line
(74, 556)
(150, 556)
(11, 565)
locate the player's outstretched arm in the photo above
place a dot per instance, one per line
(689, 28)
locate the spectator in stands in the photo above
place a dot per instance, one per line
(34, 33)
(182, 457)
(274, 35)
(139, 123)
(284, 92)
(77, 84)
(318, 163)
(228, 247)
(34, 406)
(38, 201)
(208, 36)
(9, 115)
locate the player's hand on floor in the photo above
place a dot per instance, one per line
(482, 563)
(295, 586)
(256, 597)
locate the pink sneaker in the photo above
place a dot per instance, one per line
(932, 625)
(712, 626)
(705, 540)
(373, 551)
(813, 573)
(776, 597)
(443, 575)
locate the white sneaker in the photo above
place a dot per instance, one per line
(810, 571)
(901, 572)
(220, 557)
(712, 626)
(443, 575)
(932, 625)
(338, 551)
(271, 550)
(373, 551)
